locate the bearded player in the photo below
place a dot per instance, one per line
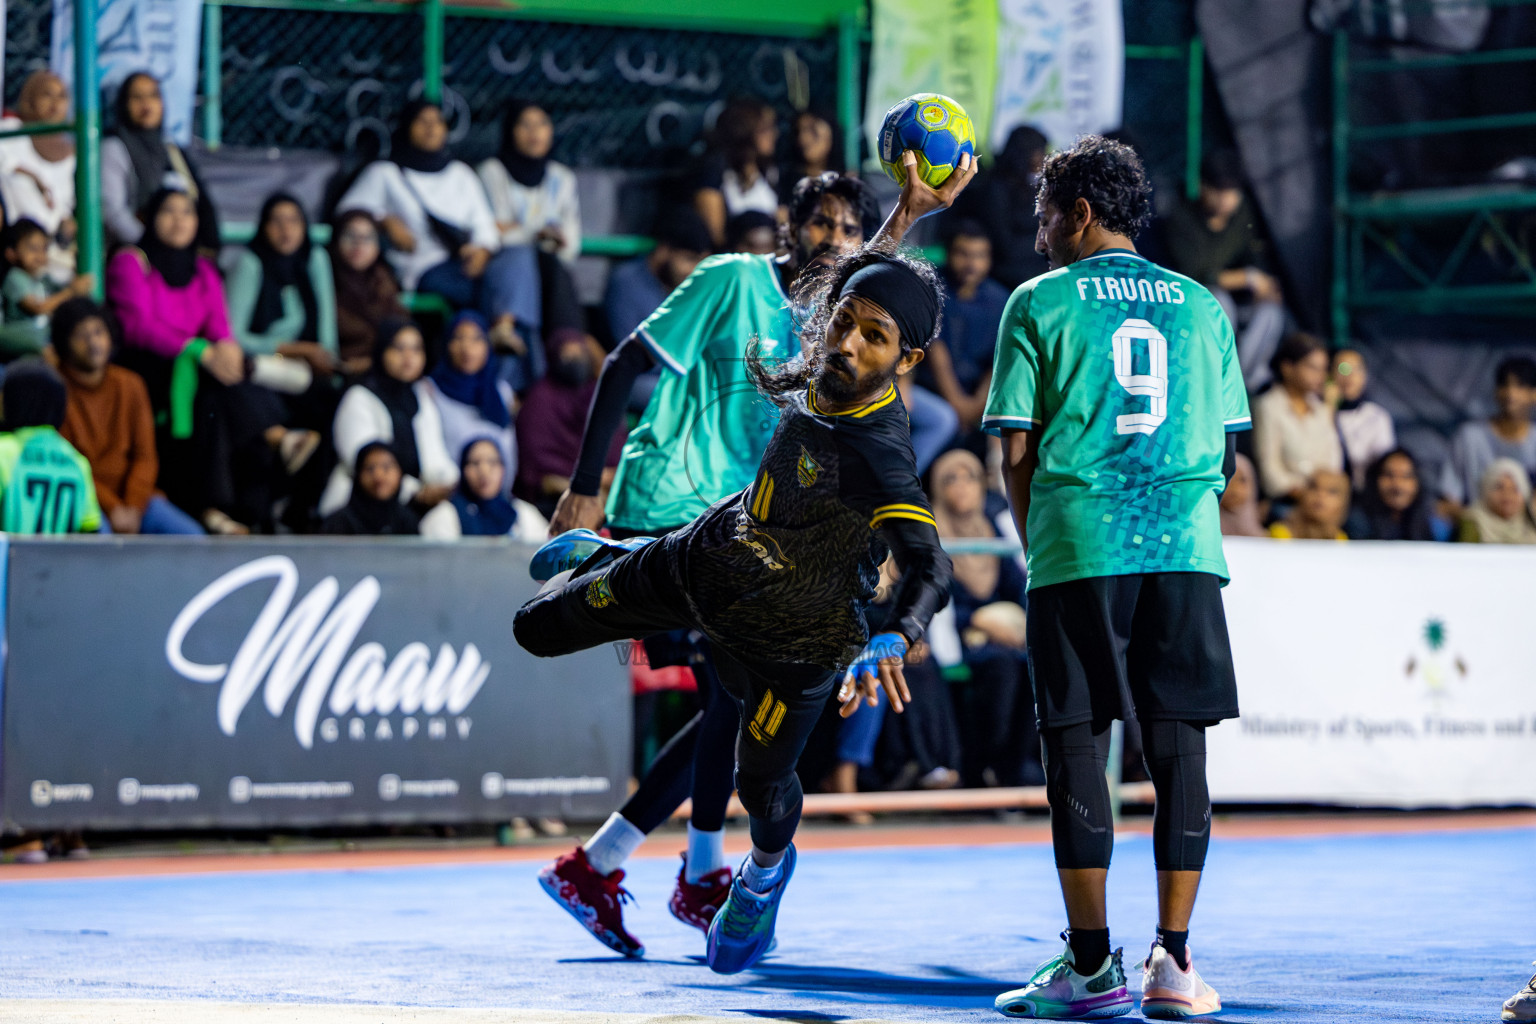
(1116, 391)
(700, 439)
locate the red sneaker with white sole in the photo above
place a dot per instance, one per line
(695, 903)
(595, 901)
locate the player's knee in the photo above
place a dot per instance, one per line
(771, 796)
(539, 626)
(1181, 826)
(1082, 826)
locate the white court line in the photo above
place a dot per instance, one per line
(126, 1011)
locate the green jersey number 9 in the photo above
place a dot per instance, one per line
(1152, 385)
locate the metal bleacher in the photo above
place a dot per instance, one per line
(1465, 249)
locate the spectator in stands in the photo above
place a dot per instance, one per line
(394, 404)
(1507, 435)
(637, 287)
(471, 401)
(547, 455)
(997, 721)
(28, 296)
(739, 173)
(281, 295)
(109, 421)
(137, 160)
(1320, 511)
(481, 498)
(37, 173)
(1242, 515)
(960, 360)
(1003, 199)
(444, 237)
(753, 231)
(1215, 240)
(373, 509)
(1502, 512)
(1294, 434)
(170, 301)
(367, 293)
(1366, 431)
(815, 147)
(1393, 506)
(45, 485)
(532, 196)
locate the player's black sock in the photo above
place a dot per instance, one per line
(1089, 948)
(1176, 943)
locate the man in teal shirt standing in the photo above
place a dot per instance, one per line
(700, 439)
(1116, 390)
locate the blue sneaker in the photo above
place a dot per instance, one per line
(742, 929)
(572, 550)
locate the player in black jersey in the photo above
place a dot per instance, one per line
(779, 575)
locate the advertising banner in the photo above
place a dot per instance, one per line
(175, 684)
(945, 46)
(1060, 68)
(158, 36)
(1385, 674)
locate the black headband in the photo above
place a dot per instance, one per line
(896, 288)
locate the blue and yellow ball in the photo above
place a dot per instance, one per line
(934, 127)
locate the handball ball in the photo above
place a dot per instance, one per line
(934, 127)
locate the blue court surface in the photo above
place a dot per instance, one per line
(1431, 926)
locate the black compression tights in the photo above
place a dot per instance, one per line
(1082, 827)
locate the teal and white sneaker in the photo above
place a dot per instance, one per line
(1521, 1005)
(1057, 991)
(574, 549)
(741, 932)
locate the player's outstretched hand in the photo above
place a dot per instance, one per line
(921, 199)
(877, 667)
(576, 512)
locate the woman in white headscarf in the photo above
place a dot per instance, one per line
(1502, 513)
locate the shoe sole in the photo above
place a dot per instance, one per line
(1174, 1009)
(544, 565)
(1056, 1011)
(586, 917)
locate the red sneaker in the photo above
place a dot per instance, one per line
(595, 900)
(695, 903)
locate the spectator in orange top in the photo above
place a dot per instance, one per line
(108, 420)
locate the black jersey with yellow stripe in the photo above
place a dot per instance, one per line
(784, 570)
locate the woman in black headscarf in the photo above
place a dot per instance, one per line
(374, 509)
(281, 295)
(392, 404)
(137, 159)
(532, 196)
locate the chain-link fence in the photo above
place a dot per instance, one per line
(619, 97)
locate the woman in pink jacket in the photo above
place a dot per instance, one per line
(223, 446)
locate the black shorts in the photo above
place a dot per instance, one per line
(1157, 640)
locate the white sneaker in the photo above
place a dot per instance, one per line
(1521, 1005)
(1169, 992)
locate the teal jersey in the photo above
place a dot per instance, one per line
(1129, 371)
(45, 485)
(705, 429)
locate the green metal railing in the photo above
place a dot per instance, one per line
(1366, 225)
(86, 126)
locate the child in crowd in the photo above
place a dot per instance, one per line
(29, 295)
(1320, 511)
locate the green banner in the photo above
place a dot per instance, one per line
(946, 46)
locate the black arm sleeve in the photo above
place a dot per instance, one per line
(925, 575)
(1229, 462)
(620, 369)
